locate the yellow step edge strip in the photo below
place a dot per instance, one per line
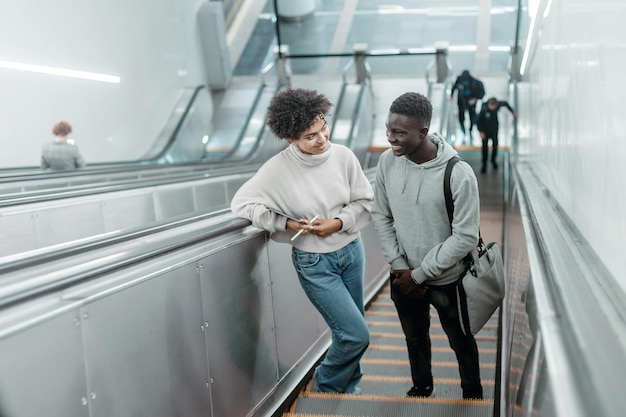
(437, 381)
(434, 349)
(390, 398)
(433, 325)
(432, 336)
(442, 364)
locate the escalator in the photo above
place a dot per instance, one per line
(385, 364)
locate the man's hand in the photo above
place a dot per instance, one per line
(403, 282)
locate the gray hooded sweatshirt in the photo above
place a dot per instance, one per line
(410, 214)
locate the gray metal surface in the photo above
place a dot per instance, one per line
(293, 313)
(209, 327)
(239, 326)
(145, 349)
(39, 225)
(42, 368)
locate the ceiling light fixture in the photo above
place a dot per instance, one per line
(60, 71)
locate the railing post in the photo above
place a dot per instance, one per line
(360, 64)
(283, 67)
(441, 62)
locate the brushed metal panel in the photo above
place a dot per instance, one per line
(128, 211)
(376, 266)
(42, 371)
(18, 233)
(66, 223)
(146, 349)
(240, 337)
(298, 323)
(173, 202)
(233, 185)
(210, 195)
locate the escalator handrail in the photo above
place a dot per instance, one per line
(178, 127)
(29, 274)
(102, 188)
(243, 130)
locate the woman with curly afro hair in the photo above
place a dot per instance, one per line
(315, 196)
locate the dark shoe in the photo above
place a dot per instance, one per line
(495, 164)
(483, 169)
(420, 391)
(473, 394)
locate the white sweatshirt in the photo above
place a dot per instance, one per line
(330, 185)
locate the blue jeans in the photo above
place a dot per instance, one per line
(334, 283)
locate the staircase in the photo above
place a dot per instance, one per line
(387, 376)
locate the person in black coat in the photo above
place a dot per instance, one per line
(469, 89)
(487, 124)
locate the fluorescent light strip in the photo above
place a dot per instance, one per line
(60, 71)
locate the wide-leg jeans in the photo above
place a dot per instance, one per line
(414, 314)
(334, 283)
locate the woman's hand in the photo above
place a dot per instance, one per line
(324, 227)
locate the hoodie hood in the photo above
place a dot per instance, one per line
(445, 152)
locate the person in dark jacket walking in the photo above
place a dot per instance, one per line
(469, 90)
(487, 124)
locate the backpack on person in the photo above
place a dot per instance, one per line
(478, 89)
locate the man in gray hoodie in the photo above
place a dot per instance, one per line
(424, 251)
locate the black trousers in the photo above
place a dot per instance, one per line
(414, 316)
(493, 135)
(464, 106)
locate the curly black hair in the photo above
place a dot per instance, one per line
(294, 110)
(414, 106)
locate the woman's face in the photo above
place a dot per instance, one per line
(314, 140)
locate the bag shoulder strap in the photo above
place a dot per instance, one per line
(447, 192)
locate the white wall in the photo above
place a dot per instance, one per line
(152, 45)
(575, 131)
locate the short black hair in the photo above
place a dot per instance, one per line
(414, 106)
(293, 110)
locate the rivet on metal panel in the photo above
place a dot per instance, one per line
(93, 395)
(206, 324)
(85, 316)
(83, 401)
(197, 271)
(76, 321)
(207, 385)
(201, 267)
(202, 328)
(211, 380)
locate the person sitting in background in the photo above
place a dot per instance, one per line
(59, 154)
(487, 124)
